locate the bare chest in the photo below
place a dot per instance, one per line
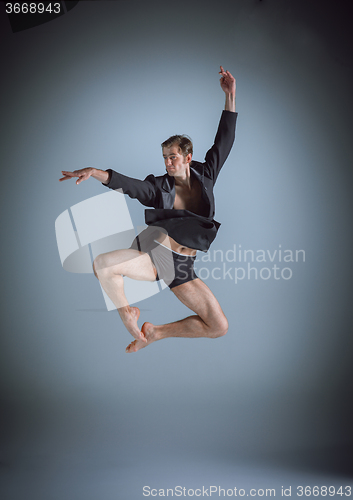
(191, 199)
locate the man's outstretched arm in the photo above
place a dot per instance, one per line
(227, 82)
(144, 191)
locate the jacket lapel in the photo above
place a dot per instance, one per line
(205, 191)
(168, 191)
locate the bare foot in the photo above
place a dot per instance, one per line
(129, 316)
(150, 333)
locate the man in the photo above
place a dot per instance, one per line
(180, 223)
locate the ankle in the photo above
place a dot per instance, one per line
(125, 310)
(150, 331)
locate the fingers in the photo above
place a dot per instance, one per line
(82, 177)
(76, 173)
(68, 175)
(225, 73)
(222, 72)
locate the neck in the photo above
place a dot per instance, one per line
(184, 180)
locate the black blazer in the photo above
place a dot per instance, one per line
(159, 192)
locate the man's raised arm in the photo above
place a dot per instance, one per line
(217, 155)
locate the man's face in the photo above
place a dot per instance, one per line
(175, 163)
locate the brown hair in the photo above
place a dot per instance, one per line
(183, 142)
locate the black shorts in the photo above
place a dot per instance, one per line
(172, 267)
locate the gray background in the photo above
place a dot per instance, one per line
(267, 405)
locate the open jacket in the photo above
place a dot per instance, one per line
(187, 228)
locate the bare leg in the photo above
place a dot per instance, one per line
(110, 267)
(209, 320)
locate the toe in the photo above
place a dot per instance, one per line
(130, 347)
(135, 346)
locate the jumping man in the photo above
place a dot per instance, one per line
(180, 223)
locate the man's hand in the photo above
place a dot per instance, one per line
(86, 173)
(83, 174)
(227, 82)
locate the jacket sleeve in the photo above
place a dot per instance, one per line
(144, 191)
(217, 155)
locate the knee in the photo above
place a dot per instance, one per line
(222, 327)
(95, 266)
(100, 265)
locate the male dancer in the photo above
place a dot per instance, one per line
(180, 223)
